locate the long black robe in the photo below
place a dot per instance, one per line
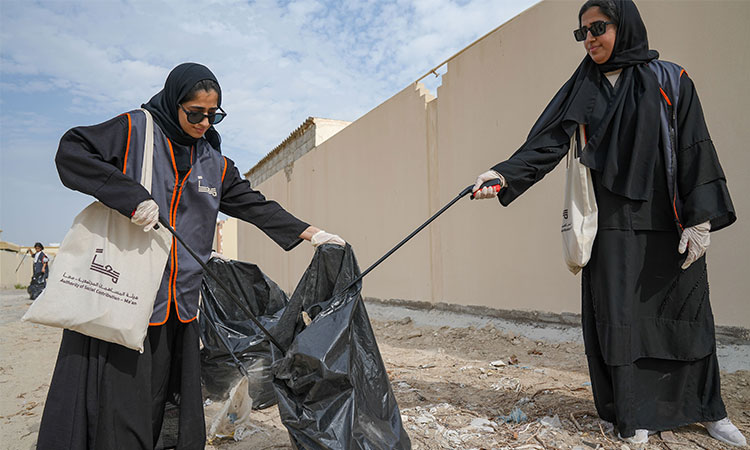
(103, 395)
(647, 325)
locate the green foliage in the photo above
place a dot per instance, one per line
(20, 286)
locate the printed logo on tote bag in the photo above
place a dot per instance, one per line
(104, 269)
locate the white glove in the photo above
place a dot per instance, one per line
(321, 237)
(696, 240)
(487, 192)
(146, 215)
(219, 256)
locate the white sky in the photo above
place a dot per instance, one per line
(66, 63)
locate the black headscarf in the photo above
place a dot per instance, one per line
(623, 138)
(163, 105)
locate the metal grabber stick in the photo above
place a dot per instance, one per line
(22, 260)
(461, 195)
(247, 311)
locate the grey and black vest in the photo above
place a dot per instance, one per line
(668, 75)
(191, 208)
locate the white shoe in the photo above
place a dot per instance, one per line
(640, 437)
(725, 431)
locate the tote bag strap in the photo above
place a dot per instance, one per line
(148, 152)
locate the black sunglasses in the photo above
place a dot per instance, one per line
(197, 117)
(597, 28)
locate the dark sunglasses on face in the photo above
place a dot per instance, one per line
(197, 117)
(597, 28)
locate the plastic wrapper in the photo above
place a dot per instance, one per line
(332, 386)
(224, 327)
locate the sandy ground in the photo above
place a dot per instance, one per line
(441, 367)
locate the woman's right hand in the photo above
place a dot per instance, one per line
(487, 192)
(146, 214)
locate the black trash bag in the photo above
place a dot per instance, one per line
(224, 326)
(37, 285)
(332, 387)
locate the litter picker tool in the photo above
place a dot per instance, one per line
(468, 190)
(22, 260)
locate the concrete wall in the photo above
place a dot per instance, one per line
(229, 235)
(9, 277)
(313, 132)
(387, 172)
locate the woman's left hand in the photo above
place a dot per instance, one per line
(321, 237)
(695, 240)
(317, 237)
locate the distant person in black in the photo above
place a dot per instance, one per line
(106, 396)
(40, 260)
(39, 277)
(647, 323)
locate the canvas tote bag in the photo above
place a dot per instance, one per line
(580, 213)
(107, 272)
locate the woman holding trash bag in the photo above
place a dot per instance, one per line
(41, 272)
(647, 322)
(106, 396)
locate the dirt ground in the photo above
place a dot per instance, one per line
(457, 388)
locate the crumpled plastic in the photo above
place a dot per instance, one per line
(516, 415)
(332, 386)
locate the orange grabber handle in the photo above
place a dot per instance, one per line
(494, 183)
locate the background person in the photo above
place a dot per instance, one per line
(647, 322)
(40, 272)
(40, 260)
(104, 395)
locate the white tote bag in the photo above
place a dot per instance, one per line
(580, 213)
(107, 272)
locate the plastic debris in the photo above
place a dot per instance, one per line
(551, 422)
(234, 414)
(515, 416)
(482, 425)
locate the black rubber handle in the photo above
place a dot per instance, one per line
(492, 182)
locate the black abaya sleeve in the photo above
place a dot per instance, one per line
(525, 168)
(700, 178)
(90, 160)
(239, 200)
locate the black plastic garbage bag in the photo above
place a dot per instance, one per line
(37, 285)
(332, 387)
(224, 326)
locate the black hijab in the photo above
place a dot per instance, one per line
(163, 105)
(623, 137)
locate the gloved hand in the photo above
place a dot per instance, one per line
(146, 214)
(321, 237)
(487, 192)
(220, 256)
(696, 240)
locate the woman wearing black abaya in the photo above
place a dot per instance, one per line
(647, 322)
(103, 395)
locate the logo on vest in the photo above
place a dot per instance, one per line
(206, 189)
(105, 269)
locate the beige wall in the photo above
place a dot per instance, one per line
(9, 277)
(229, 234)
(384, 174)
